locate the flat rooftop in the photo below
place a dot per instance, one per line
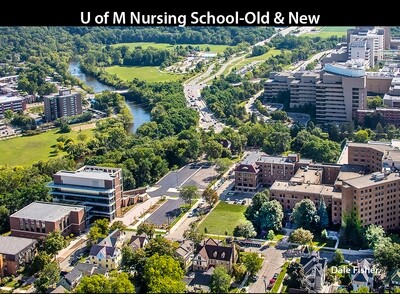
(273, 159)
(305, 188)
(310, 175)
(4, 99)
(45, 211)
(380, 146)
(252, 157)
(14, 245)
(86, 174)
(368, 180)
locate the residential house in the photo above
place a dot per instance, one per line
(314, 270)
(212, 254)
(185, 252)
(362, 275)
(138, 242)
(393, 278)
(15, 252)
(72, 279)
(107, 253)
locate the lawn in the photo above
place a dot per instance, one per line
(245, 61)
(24, 151)
(280, 278)
(213, 48)
(326, 32)
(224, 217)
(146, 73)
(319, 242)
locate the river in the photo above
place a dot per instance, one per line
(140, 115)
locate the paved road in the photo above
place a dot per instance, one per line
(272, 264)
(315, 57)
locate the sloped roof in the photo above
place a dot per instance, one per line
(103, 251)
(137, 242)
(361, 277)
(79, 270)
(211, 250)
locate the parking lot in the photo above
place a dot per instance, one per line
(240, 198)
(166, 213)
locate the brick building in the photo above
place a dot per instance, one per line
(41, 218)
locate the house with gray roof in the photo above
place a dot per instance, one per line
(362, 275)
(314, 270)
(185, 252)
(15, 252)
(213, 254)
(138, 242)
(72, 279)
(107, 253)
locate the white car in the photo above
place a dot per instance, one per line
(228, 199)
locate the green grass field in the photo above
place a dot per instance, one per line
(213, 48)
(245, 61)
(24, 151)
(146, 73)
(326, 32)
(224, 217)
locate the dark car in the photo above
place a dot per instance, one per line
(275, 276)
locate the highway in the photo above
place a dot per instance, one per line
(193, 87)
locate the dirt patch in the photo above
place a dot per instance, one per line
(84, 127)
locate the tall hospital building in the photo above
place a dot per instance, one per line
(337, 91)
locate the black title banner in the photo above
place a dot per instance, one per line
(131, 15)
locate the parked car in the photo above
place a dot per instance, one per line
(275, 276)
(243, 201)
(236, 201)
(228, 199)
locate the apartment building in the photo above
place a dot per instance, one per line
(13, 103)
(38, 219)
(65, 103)
(375, 197)
(97, 188)
(392, 98)
(14, 253)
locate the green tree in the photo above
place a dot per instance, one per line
(54, 242)
(116, 283)
(373, 235)
(245, 230)
(4, 214)
(120, 283)
(133, 259)
(252, 211)
(223, 164)
(82, 137)
(213, 149)
(271, 235)
(146, 228)
(163, 274)
(305, 215)
(387, 255)
(374, 102)
(117, 225)
(352, 232)
(239, 271)
(324, 234)
(93, 284)
(95, 235)
(193, 234)
(8, 114)
(338, 258)
(271, 216)
(296, 276)
(47, 277)
(220, 280)
(361, 136)
(277, 142)
(301, 236)
(252, 262)
(103, 225)
(188, 193)
(160, 246)
(211, 196)
(38, 262)
(323, 214)
(362, 289)
(279, 115)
